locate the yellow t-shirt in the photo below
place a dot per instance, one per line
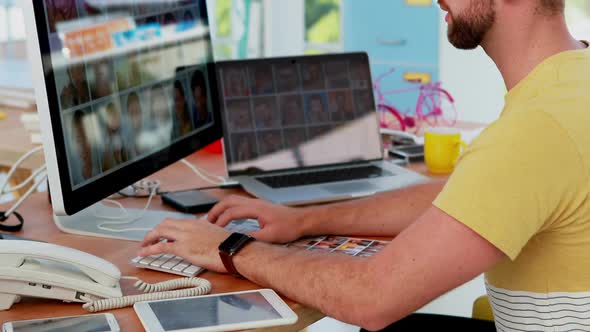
(524, 185)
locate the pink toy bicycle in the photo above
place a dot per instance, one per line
(434, 107)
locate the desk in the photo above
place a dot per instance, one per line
(39, 225)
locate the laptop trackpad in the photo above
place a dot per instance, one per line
(342, 188)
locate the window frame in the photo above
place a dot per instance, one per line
(9, 8)
(228, 41)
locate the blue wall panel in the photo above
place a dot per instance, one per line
(395, 34)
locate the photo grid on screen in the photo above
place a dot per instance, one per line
(275, 105)
(118, 109)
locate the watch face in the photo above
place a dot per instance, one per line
(234, 242)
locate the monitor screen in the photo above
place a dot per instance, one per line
(131, 88)
(298, 112)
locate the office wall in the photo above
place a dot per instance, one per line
(284, 27)
(472, 79)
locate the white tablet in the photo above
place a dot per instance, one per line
(217, 312)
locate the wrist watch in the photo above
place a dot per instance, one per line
(231, 246)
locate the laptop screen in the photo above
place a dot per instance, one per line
(286, 113)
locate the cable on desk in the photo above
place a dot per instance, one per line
(41, 171)
(219, 182)
(11, 228)
(203, 174)
(228, 185)
(159, 291)
(153, 188)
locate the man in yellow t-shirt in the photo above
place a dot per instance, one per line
(517, 206)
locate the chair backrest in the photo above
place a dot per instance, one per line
(482, 309)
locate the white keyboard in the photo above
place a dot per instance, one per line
(177, 265)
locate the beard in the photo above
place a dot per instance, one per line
(466, 31)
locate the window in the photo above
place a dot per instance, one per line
(577, 13)
(3, 24)
(16, 23)
(237, 28)
(323, 26)
(12, 25)
(222, 40)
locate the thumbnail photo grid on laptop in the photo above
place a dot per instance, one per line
(281, 105)
(340, 244)
(326, 243)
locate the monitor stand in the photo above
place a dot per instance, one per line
(87, 222)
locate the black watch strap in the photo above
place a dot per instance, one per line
(229, 248)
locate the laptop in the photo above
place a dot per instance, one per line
(303, 130)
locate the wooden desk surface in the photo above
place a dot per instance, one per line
(39, 225)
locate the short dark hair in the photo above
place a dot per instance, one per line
(198, 79)
(178, 86)
(78, 116)
(133, 96)
(169, 17)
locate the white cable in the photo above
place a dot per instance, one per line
(154, 189)
(203, 174)
(16, 165)
(26, 182)
(219, 180)
(34, 186)
(160, 291)
(25, 196)
(204, 171)
(112, 201)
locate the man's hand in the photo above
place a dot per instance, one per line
(278, 224)
(197, 241)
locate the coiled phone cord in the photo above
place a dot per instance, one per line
(159, 291)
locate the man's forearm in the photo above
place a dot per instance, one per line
(384, 214)
(340, 286)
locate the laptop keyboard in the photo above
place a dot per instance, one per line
(323, 176)
(177, 265)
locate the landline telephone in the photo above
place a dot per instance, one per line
(38, 269)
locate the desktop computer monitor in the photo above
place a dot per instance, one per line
(124, 88)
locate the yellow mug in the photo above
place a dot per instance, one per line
(442, 147)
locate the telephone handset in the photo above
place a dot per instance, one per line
(38, 269)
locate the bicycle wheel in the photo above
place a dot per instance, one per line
(436, 107)
(390, 118)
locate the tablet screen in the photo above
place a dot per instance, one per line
(213, 311)
(88, 323)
